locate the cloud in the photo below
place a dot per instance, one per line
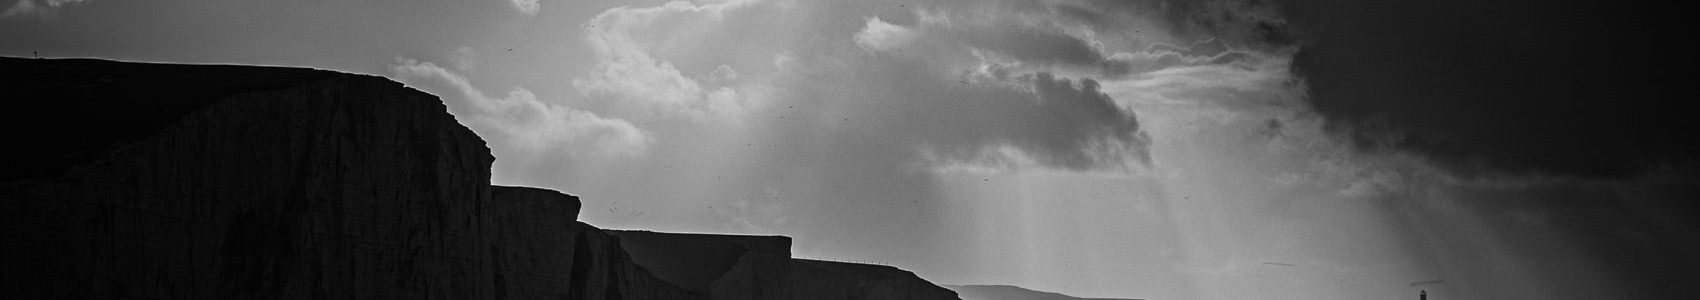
(982, 95)
(1038, 120)
(1255, 23)
(967, 89)
(524, 121)
(1554, 108)
(878, 35)
(869, 108)
(464, 58)
(1039, 43)
(44, 8)
(855, 112)
(625, 41)
(527, 7)
(1605, 237)
(1217, 135)
(1060, 37)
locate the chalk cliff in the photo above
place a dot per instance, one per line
(161, 181)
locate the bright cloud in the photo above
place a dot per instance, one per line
(527, 7)
(524, 121)
(626, 40)
(882, 36)
(937, 102)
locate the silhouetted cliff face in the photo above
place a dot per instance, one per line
(543, 253)
(814, 279)
(62, 113)
(225, 182)
(534, 238)
(229, 182)
(724, 266)
(316, 186)
(625, 279)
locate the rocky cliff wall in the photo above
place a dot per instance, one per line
(337, 186)
(533, 243)
(159, 181)
(724, 266)
(541, 252)
(230, 182)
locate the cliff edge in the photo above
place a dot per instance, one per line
(165, 181)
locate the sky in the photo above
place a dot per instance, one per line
(1156, 149)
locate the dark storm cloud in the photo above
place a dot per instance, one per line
(958, 107)
(1054, 122)
(1176, 33)
(1559, 98)
(1501, 86)
(1049, 121)
(1060, 123)
(1252, 22)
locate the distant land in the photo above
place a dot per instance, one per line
(1007, 292)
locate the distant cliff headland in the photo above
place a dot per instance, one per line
(162, 181)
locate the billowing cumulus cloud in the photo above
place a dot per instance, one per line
(527, 7)
(969, 96)
(1030, 120)
(626, 41)
(949, 90)
(523, 121)
(878, 35)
